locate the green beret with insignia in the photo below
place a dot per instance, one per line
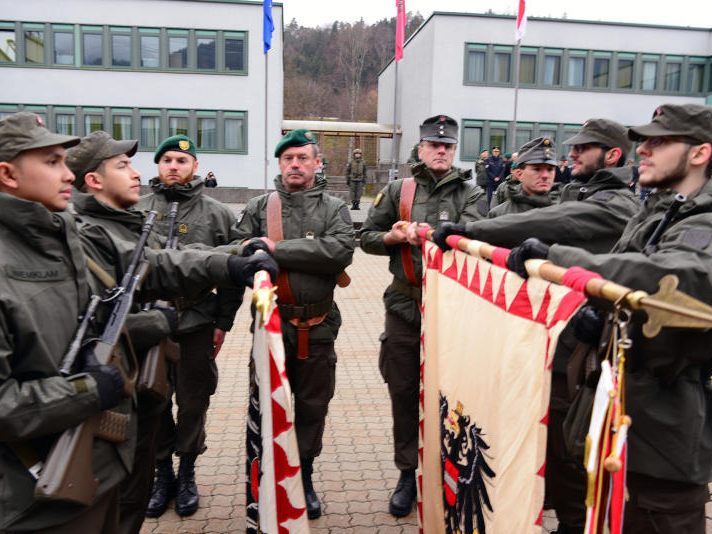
(300, 137)
(539, 150)
(178, 143)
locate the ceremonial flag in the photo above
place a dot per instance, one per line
(400, 28)
(267, 25)
(275, 496)
(488, 342)
(521, 21)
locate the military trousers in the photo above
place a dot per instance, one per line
(399, 363)
(102, 516)
(195, 379)
(356, 188)
(664, 506)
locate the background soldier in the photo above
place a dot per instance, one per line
(437, 192)
(494, 168)
(203, 323)
(355, 178)
(311, 236)
(667, 377)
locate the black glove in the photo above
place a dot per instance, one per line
(588, 325)
(531, 249)
(242, 269)
(446, 229)
(253, 246)
(109, 384)
(171, 316)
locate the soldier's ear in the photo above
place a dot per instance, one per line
(94, 181)
(8, 182)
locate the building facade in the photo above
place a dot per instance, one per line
(147, 69)
(463, 65)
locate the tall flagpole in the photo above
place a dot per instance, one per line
(267, 29)
(513, 142)
(266, 123)
(394, 144)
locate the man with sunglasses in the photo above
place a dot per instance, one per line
(668, 388)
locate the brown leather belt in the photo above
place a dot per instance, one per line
(408, 290)
(304, 311)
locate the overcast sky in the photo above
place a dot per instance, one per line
(697, 13)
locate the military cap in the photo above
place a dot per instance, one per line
(357, 151)
(604, 132)
(92, 150)
(179, 143)
(300, 137)
(507, 155)
(440, 129)
(539, 150)
(25, 131)
(690, 120)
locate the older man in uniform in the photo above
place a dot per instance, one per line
(203, 324)
(535, 179)
(355, 177)
(668, 394)
(437, 192)
(311, 236)
(45, 289)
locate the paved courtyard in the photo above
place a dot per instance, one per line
(355, 473)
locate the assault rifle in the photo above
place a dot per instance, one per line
(67, 473)
(153, 378)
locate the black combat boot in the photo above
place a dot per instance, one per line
(404, 496)
(313, 504)
(187, 496)
(357, 205)
(164, 488)
(353, 205)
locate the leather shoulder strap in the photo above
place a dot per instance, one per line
(407, 197)
(274, 217)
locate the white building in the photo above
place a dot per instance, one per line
(147, 69)
(462, 65)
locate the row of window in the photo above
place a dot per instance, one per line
(212, 131)
(123, 47)
(477, 136)
(588, 69)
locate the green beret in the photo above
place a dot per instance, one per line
(294, 138)
(179, 143)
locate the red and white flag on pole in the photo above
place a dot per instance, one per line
(400, 28)
(521, 21)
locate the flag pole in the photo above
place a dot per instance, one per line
(513, 142)
(266, 123)
(394, 146)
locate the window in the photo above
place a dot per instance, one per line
(121, 47)
(207, 133)
(548, 130)
(234, 133)
(93, 122)
(63, 53)
(178, 52)
(552, 70)
(524, 134)
(206, 52)
(625, 73)
(502, 67)
(471, 142)
(695, 77)
(122, 127)
(577, 71)
(650, 76)
(527, 68)
(92, 44)
(178, 125)
(498, 137)
(475, 66)
(601, 68)
(34, 43)
(8, 45)
(150, 131)
(66, 123)
(672, 76)
(234, 52)
(150, 51)
(38, 110)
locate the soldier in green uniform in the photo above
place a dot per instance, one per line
(109, 189)
(311, 236)
(668, 393)
(438, 192)
(45, 288)
(203, 323)
(356, 177)
(592, 212)
(534, 187)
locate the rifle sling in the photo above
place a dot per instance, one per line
(405, 207)
(103, 276)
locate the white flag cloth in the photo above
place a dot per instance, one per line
(521, 21)
(488, 342)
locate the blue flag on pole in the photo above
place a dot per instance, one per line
(267, 25)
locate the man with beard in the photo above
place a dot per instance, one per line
(668, 382)
(592, 213)
(203, 323)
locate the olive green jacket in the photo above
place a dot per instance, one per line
(519, 201)
(452, 198)
(44, 288)
(671, 409)
(356, 171)
(318, 245)
(201, 220)
(591, 215)
(504, 190)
